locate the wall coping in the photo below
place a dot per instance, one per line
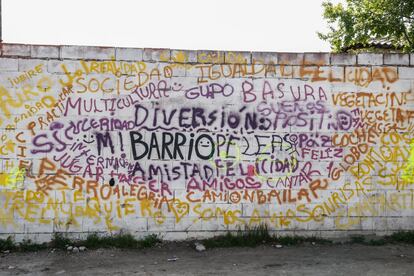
(64, 52)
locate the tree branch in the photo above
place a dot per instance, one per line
(407, 37)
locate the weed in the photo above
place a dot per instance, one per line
(378, 242)
(250, 237)
(403, 236)
(59, 241)
(120, 241)
(149, 241)
(257, 236)
(93, 241)
(397, 237)
(7, 244)
(357, 239)
(28, 245)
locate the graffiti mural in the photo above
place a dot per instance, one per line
(185, 142)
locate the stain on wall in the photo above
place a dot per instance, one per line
(194, 143)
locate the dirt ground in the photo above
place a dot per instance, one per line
(263, 260)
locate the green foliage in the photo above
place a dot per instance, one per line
(149, 241)
(260, 235)
(249, 238)
(28, 245)
(358, 239)
(378, 242)
(361, 22)
(59, 241)
(406, 237)
(257, 236)
(93, 241)
(119, 241)
(7, 244)
(403, 236)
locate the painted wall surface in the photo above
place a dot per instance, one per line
(194, 143)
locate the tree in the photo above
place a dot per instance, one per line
(362, 23)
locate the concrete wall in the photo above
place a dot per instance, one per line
(194, 143)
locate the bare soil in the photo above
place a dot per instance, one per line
(182, 259)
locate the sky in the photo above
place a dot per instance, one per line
(255, 25)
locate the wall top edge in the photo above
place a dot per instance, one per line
(41, 51)
(11, 44)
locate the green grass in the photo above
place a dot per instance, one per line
(403, 237)
(29, 246)
(357, 239)
(93, 241)
(257, 236)
(149, 241)
(59, 241)
(406, 237)
(119, 241)
(7, 244)
(249, 238)
(378, 242)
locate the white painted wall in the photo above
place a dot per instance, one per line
(194, 143)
